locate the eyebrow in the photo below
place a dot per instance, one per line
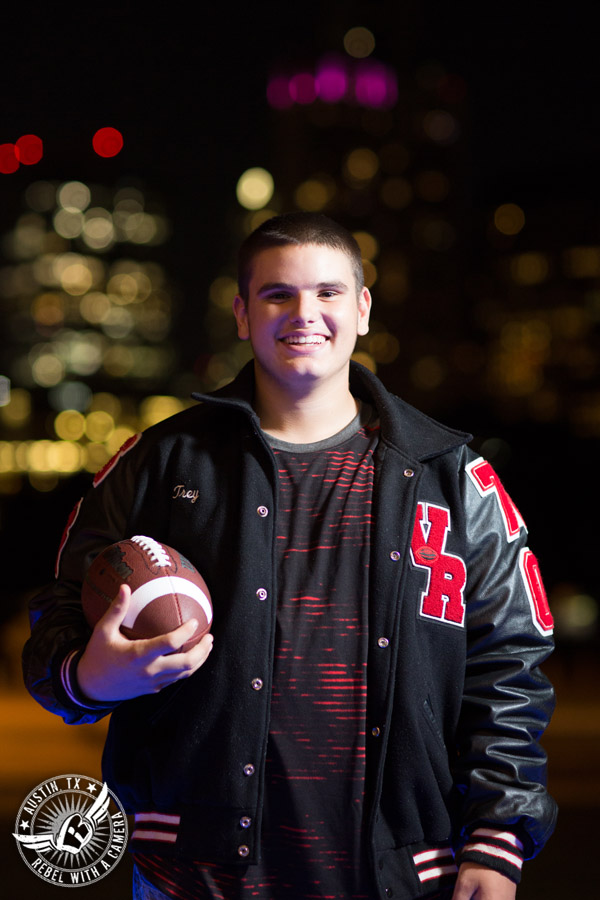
(284, 286)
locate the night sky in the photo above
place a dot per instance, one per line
(188, 92)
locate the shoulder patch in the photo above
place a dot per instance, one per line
(488, 484)
(536, 593)
(110, 465)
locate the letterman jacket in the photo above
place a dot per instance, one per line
(458, 626)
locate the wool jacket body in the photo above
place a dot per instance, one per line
(456, 702)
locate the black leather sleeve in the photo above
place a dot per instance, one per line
(501, 767)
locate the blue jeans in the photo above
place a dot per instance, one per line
(143, 890)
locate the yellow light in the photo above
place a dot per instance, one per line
(118, 361)
(255, 219)
(28, 237)
(222, 291)
(434, 234)
(7, 457)
(99, 426)
(44, 482)
(107, 403)
(47, 370)
(74, 196)
(255, 188)
(68, 223)
(509, 219)
(396, 193)
(69, 425)
(369, 245)
(65, 457)
(21, 452)
(427, 373)
(393, 282)
(314, 194)
(76, 279)
(38, 456)
(128, 287)
(365, 359)
(117, 323)
(48, 309)
(141, 228)
(94, 307)
(384, 347)
(359, 42)
(361, 165)
(582, 262)
(441, 126)
(369, 272)
(17, 411)
(85, 352)
(98, 229)
(96, 456)
(155, 409)
(529, 268)
(118, 438)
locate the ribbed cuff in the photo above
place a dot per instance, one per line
(498, 850)
(68, 680)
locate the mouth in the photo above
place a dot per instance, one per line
(304, 339)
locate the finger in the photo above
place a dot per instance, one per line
(171, 641)
(182, 665)
(116, 612)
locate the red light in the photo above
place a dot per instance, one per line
(29, 149)
(9, 162)
(107, 142)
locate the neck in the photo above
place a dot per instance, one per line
(307, 417)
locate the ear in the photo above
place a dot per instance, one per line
(364, 310)
(241, 317)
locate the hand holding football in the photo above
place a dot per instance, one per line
(166, 589)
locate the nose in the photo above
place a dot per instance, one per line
(304, 309)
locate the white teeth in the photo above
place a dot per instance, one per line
(305, 339)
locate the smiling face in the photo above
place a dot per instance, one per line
(302, 317)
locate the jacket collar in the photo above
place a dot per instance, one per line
(402, 426)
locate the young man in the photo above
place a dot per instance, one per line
(367, 722)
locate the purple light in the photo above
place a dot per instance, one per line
(278, 93)
(331, 81)
(302, 88)
(375, 85)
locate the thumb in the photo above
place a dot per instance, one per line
(116, 612)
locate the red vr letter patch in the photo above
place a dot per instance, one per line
(447, 574)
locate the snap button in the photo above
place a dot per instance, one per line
(262, 511)
(245, 821)
(383, 642)
(257, 684)
(395, 555)
(408, 473)
(243, 850)
(261, 594)
(389, 892)
(376, 731)
(249, 769)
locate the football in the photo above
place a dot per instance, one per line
(166, 589)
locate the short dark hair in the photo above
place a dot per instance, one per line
(297, 228)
